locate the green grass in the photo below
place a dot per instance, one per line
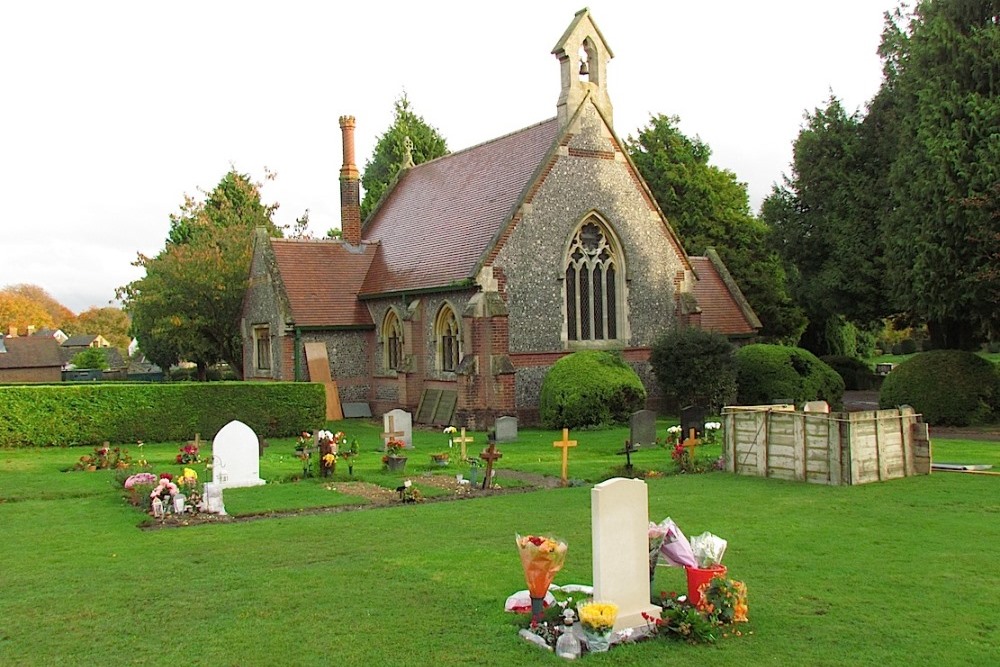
(897, 573)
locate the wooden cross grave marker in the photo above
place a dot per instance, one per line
(690, 444)
(628, 451)
(392, 432)
(565, 444)
(462, 440)
(489, 455)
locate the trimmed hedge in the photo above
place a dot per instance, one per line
(120, 412)
(765, 373)
(590, 388)
(857, 375)
(695, 367)
(948, 387)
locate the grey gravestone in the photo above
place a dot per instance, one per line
(506, 429)
(693, 417)
(642, 428)
(402, 422)
(353, 410)
(235, 460)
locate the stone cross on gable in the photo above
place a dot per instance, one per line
(565, 444)
(490, 454)
(462, 440)
(392, 432)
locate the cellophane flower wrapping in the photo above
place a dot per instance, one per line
(675, 548)
(708, 549)
(541, 557)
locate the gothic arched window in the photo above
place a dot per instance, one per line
(593, 293)
(449, 339)
(392, 341)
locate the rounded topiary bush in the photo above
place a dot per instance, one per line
(856, 374)
(948, 387)
(694, 367)
(590, 388)
(765, 373)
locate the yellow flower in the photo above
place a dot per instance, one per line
(329, 459)
(190, 474)
(598, 616)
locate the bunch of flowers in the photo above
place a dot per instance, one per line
(188, 454)
(598, 617)
(673, 436)
(165, 488)
(682, 621)
(450, 431)
(138, 487)
(394, 447)
(712, 432)
(683, 458)
(305, 439)
(329, 438)
(104, 457)
(541, 557)
(139, 479)
(409, 493)
(724, 601)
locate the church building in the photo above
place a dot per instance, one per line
(479, 269)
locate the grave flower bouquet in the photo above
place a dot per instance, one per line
(305, 439)
(597, 619)
(541, 557)
(189, 454)
(724, 601)
(394, 447)
(450, 431)
(165, 489)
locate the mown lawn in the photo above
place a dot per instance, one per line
(902, 572)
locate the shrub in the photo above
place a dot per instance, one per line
(908, 346)
(948, 387)
(589, 388)
(695, 367)
(768, 372)
(856, 374)
(125, 412)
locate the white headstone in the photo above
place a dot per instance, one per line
(619, 516)
(817, 406)
(401, 421)
(235, 457)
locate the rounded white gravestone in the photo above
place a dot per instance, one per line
(235, 457)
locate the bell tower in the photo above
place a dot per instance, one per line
(583, 63)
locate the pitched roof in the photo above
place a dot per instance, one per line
(30, 352)
(322, 279)
(79, 340)
(723, 307)
(434, 226)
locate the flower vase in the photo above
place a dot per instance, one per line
(597, 642)
(698, 576)
(537, 606)
(396, 463)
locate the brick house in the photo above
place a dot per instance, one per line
(30, 359)
(480, 269)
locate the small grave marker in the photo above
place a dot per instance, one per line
(565, 444)
(506, 429)
(490, 454)
(462, 440)
(628, 451)
(642, 427)
(399, 420)
(390, 431)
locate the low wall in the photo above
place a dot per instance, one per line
(826, 448)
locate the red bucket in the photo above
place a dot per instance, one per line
(697, 576)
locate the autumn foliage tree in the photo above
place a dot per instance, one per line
(112, 323)
(19, 312)
(187, 306)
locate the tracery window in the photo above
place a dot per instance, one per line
(593, 293)
(449, 339)
(392, 341)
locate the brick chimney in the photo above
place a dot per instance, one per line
(350, 187)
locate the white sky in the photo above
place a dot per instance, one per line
(111, 111)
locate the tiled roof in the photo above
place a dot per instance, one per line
(439, 219)
(30, 352)
(79, 340)
(322, 279)
(720, 307)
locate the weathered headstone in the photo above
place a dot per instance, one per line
(642, 427)
(506, 429)
(400, 423)
(235, 461)
(619, 517)
(693, 417)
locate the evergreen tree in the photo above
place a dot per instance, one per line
(389, 155)
(708, 207)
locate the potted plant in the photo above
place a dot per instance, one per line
(440, 459)
(394, 459)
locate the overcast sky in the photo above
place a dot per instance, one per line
(112, 111)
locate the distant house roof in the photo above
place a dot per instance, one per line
(435, 225)
(30, 352)
(724, 309)
(83, 340)
(322, 279)
(111, 354)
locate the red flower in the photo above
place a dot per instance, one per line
(537, 541)
(167, 476)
